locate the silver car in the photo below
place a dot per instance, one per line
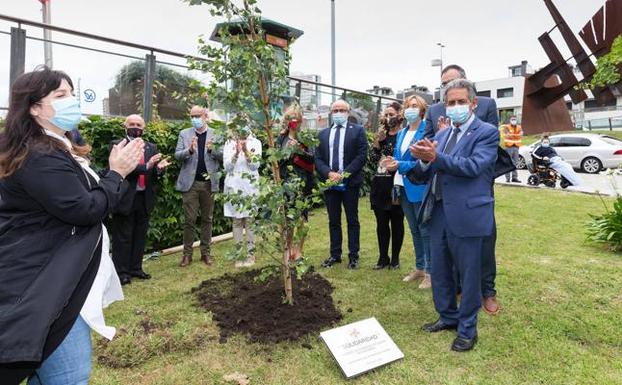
(586, 152)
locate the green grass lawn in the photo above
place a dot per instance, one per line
(561, 319)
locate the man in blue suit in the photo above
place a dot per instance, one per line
(340, 158)
(486, 111)
(458, 202)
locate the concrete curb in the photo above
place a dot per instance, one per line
(180, 248)
(515, 185)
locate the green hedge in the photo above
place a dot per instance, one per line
(166, 223)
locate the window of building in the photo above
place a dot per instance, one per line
(591, 103)
(484, 93)
(505, 92)
(569, 106)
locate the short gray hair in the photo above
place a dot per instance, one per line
(340, 101)
(461, 84)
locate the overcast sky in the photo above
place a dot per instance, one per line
(386, 43)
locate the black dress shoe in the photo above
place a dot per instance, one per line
(463, 344)
(125, 280)
(353, 265)
(380, 266)
(141, 275)
(394, 266)
(438, 326)
(330, 262)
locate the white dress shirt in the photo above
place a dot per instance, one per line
(331, 141)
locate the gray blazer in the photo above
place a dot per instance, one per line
(189, 161)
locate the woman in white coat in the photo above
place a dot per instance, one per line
(241, 157)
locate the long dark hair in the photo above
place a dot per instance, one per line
(22, 133)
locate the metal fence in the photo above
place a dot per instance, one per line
(115, 78)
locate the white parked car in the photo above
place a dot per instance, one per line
(586, 152)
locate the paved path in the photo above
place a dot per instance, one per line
(592, 183)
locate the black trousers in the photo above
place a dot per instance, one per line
(350, 201)
(387, 220)
(129, 233)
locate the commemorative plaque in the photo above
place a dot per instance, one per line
(361, 346)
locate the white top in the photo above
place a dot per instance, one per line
(242, 175)
(398, 179)
(331, 141)
(106, 287)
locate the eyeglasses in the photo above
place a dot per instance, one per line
(339, 110)
(196, 116)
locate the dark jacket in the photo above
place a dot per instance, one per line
(51, 212)
(354, 154)
(306, 156)
(151, 175)
(381, 189)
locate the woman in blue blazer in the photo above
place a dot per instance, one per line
(410, 194)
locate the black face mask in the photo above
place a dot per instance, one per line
(392, 122)
(134, 132)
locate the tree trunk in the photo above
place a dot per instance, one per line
(276, 176)
(287, 275)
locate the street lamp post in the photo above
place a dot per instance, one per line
(46, 12)
(442, 46)
(332, 46)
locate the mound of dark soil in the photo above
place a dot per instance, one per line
(244, 305)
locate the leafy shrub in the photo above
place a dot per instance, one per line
(607, 228)
(166, 223)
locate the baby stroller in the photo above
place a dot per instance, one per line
(542, 173)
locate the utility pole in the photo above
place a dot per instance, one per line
(332, 46)
(46, 12)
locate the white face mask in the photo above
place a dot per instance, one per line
(513, 122)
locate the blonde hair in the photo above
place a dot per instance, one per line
(295, 110)
(423, 106)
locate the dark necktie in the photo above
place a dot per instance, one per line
(335, 163)
(141, 177)
(451, 143)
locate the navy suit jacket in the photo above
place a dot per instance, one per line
(354, 154)
(465, 174)
(486, 111)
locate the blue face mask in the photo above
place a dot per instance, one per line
(545, 144)
(66, 113)
(340, 118)
(459, 114)
(197, 122)
(411, 115)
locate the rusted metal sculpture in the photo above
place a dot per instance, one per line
(544, 108)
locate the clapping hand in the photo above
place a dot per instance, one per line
(193, 145)
(424, 149)
(125, 156)
(164, 163)
(153, 160)
(292, 142)
(443, 123)
(390, 164)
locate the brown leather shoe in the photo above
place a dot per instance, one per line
(206, 259)
(491, 306)
(185, 261)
